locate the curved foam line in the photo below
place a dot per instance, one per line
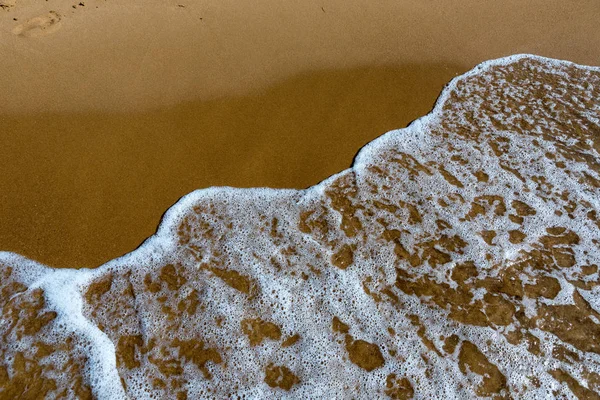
(163, 238)
(434, 114)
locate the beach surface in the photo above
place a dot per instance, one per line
(456, 258)
(111, 111)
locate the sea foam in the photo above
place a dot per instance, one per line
(457, 258)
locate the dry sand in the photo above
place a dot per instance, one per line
(110, 111)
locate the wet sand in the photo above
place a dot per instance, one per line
(110, 112)
(117, 173)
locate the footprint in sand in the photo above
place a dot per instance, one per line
(39, 26)
(7, 3)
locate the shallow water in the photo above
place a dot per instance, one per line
(456, 258)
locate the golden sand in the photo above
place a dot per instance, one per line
(110, 111)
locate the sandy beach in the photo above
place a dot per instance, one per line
(111, 111)
(456, 258)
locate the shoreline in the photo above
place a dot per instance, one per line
(263, 95)
(166, 227)
(197, 253)
(103, 181)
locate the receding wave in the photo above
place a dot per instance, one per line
(457, 258)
